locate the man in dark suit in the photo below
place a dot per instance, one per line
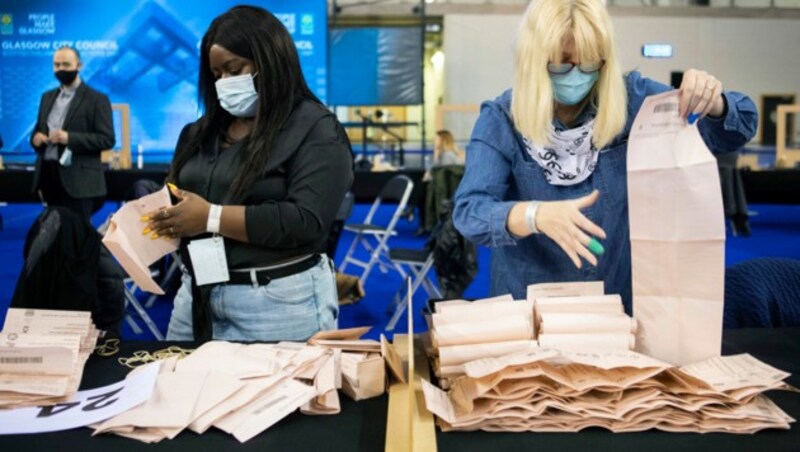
(74, 125)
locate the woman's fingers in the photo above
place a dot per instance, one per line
(573, 232)
(585, 253)
(163, 222)
(587, 200)
(714, 96)
(581, 241)
(587, 225)
(687, 89)
(704, 97)
(567, 245)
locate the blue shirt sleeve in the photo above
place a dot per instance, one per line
(481, 207)
(726, 134)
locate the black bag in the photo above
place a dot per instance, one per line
(60, 271)
(454, 257)
(67, 268)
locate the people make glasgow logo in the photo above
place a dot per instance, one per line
(6, 24)
(39, 24)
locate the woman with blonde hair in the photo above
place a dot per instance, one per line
(445, 150)
(546, 164)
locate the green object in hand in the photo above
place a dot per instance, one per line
(596, 247)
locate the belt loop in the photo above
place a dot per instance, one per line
(254, 278)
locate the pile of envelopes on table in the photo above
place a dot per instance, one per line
(545, 390)
(244, 389)
(560, 315)
(42, 355)
(578, 314)
(462, 331)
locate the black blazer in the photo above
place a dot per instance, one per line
(91, 131)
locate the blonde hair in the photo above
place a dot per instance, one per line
(543, 31)
(448, 144)
(448, 141)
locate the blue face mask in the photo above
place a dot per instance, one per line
(574, 86)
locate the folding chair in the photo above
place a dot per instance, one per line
(397, 189)
(172, 271)
(131, 288)
(130, 300)
(419, 263)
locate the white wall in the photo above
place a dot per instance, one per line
(478, 56)
(752, 55)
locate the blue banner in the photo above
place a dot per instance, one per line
(140, 52)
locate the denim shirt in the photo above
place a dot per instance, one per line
(500, 173)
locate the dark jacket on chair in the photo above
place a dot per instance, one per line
(91, 131)
(67, 268)
(442, 187)
(60, 271)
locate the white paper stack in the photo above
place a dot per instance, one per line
(240, 389)
(363, 361)
(244, 389)
(463, 331)
(578, 315)
(42, 355)
(545, 390)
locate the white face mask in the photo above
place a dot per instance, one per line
(237, 95)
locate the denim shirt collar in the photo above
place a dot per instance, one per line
(504, 102)
(589, 112)
(586, 115)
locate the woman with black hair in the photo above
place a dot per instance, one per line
(258, 180)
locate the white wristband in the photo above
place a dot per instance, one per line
(530, 216)
(214, 216)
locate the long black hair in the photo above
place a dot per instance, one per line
(253, 33)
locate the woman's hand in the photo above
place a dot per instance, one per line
(563, 222)
(701, 95)
(188, 218)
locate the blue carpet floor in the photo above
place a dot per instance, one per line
(776, 233)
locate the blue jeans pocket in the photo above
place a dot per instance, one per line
(294, 289)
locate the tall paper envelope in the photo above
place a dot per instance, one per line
(677, 235)
(134, 250)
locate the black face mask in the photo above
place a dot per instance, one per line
(66, 77)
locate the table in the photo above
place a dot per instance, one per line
(778, 347)
(367, 123)
(780, 186)
(362, 425)
(367, 184)
(359, 427)
(15, 184)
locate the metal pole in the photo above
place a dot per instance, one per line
(422, 79)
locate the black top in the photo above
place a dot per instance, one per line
(291, 208)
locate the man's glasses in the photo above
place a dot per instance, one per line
(586, 68)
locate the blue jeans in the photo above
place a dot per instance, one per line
(292, 308)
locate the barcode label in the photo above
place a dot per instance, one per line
(22, 360)
(665, 108)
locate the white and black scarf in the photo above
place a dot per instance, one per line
(569, 158)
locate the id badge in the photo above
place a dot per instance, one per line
(208, 261)
(66, 158)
